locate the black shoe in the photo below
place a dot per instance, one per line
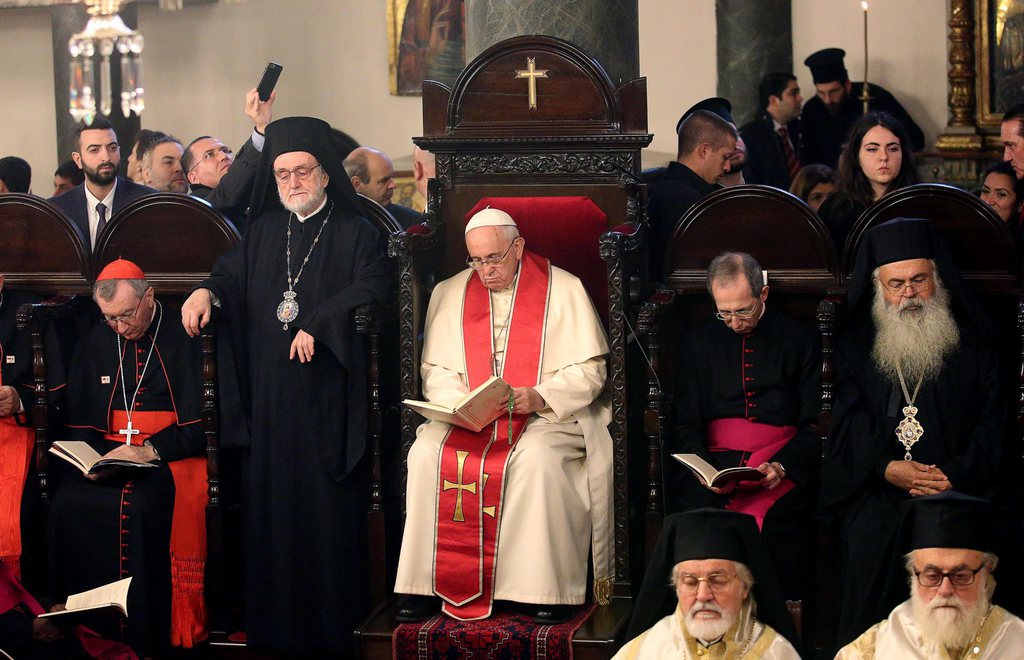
(549, 615)
(418, 608)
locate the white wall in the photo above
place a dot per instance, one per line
(200, 62)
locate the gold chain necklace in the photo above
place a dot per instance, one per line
(909, 430)
(288, 309)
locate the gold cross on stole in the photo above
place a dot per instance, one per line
(460, 456)
(531, 73)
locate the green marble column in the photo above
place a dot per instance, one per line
(606, 29)
(754, 38)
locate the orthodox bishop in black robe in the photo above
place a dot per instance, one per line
(121, 525)
(306, 545)
(960, 409)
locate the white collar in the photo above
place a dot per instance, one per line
(92, 200)
(303, 218)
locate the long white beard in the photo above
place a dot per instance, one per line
(945, 626)
(708, 630)
(916, 335)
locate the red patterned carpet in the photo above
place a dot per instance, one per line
(507, 635)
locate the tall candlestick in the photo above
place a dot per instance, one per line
(865, 95)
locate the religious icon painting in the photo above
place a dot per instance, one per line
(426, 41)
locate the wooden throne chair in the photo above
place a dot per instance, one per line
(561, 155)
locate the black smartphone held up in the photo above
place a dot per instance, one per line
(269, 80)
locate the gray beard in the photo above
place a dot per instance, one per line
(916, 342)
(303, 209)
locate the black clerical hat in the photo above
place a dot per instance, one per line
(827, 65)
(947, 520)
(709, 534)
(716, 104)
(313, 136)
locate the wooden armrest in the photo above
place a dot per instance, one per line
(370, 318)
(46, 311)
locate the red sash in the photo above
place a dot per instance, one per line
(15, 455)
(472, 468)
(763, 441)
(188, 528)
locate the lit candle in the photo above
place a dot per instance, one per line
(865, 6)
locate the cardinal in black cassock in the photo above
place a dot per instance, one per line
(961, 410)
(120, 525)
(292, 284)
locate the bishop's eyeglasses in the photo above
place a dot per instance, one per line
(744, 314)
(301, 173)
(917, 285)
(124, 318)
(717, 582)
(958, 577)
(477, 263)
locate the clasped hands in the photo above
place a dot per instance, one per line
(196, 311)
(917, 478)
(527, 401)
(10, 402)
(773, 473)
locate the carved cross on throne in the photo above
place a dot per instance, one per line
(531, 73)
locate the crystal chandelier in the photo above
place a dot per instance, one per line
(91, 89)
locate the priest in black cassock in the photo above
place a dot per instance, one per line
(918, 404)
(304, 379)
(826, 119)
(134, 392)
(748, 393)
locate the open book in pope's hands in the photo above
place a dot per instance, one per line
(85, 458)
(112, 597)
(474, 411)
(709, 476)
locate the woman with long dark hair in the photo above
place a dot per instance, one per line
(1004, 193)
(876, 160)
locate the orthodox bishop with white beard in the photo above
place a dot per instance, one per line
(948, 540)
(918, 406)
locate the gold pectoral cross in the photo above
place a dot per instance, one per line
(460, 456)
(531, 73)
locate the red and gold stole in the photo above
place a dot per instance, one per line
(15, 455)
(762, 441)
(471, 482)
(188, 527)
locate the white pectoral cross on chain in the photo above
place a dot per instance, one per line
(128, 433)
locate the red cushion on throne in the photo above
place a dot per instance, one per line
(566, 230)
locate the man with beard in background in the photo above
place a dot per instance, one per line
(918, 406)
(948, 540)
(91, 204)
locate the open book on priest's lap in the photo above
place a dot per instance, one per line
(474, 411)
(709, 476)
(88, 460)
(108, 600)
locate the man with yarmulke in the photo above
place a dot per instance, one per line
(727, 602)
(534, 493)
(946, 545)
(826, 119)
(134, 391)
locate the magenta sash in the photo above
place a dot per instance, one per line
(762, 442)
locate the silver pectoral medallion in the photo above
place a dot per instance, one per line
(909, 431)
(288, 310)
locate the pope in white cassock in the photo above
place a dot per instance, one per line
(950, 613)
(511, 512)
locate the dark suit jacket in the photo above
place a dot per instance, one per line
(232, 195)
(73, 203)
(677, 190)
(766, 161)
(406, 216)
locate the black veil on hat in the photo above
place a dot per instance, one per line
(900, 239)
(715, 105)
(709, 534)
(313, 136)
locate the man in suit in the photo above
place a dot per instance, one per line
(104, 193)
(373, 175)
(773, 139)
(221, 177)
